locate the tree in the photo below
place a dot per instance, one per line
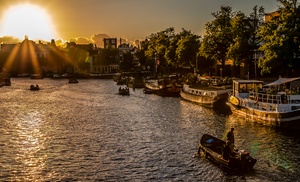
(187, 48)
(126, 63)
(158, 44)
(280, 37)
(245, 41)
(218, 37)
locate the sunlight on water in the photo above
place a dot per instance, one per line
(87, 132)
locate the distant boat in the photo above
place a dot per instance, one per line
(34, 88)
(73, 80)
(36, 76)
(124, 91)
(7, 81)
(135, 82)
(166, 87)
(147, 91)
(57, 76)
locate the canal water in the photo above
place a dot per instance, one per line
(87, 132)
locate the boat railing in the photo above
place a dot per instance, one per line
(266, 98)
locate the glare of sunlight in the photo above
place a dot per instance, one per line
(27, 19)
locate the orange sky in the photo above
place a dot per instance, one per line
(133, 19)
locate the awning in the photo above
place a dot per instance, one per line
(282, 81)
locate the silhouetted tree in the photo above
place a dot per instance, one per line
(218, 36)
(280, 38)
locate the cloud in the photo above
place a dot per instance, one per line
(95, 39)
(9, 39)
(81, 40)
(98, 39)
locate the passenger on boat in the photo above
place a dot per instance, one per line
(226, 153)
(230, 138)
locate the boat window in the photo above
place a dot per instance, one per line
(243, 88)
(250, 87)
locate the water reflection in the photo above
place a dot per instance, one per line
(274, 150)
(87, 132)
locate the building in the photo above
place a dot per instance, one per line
(110, 42)
(28, 57)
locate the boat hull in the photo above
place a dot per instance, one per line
(205, 100)
(289, 120)
(204, 95)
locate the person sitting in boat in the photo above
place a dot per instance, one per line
(226, 153)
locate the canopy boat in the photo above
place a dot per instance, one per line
(275, 104)
(212, 148)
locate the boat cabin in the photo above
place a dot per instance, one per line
(243, 88)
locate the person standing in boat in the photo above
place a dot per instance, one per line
(230, 138)
(226, 153)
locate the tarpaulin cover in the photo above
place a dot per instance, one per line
(282, 81)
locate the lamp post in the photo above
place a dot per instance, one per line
(221, 71)
(196, 68)
(255, 73)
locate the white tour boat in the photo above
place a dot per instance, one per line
(275, 104)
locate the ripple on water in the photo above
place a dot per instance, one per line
(86, 132)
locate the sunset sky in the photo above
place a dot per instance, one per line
(129, 19)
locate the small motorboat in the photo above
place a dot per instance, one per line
(7, 82)
(124, 91)
(147, 91)
(34, 88)
(73, 80)
(212, 149)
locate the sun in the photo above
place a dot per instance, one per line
(27, 20)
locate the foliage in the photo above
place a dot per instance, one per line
(107, 56)
(126, 63)
(170, 48)
(218, 36)
(280, 38)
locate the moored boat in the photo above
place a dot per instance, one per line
(165, 87)
(135, 82)
(205, 95)
(36, 76)
(57, 76)
(124, 91)
(275, 104)
(212, 149)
